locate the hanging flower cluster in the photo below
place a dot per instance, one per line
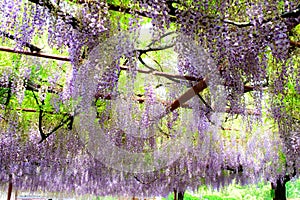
(102, 126)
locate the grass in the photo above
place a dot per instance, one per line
(260, 191)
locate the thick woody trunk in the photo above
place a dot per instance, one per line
(175, 194)
(279, 190)
(9, 187)
(178, 195)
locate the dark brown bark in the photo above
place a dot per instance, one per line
(175, 194)
(200, 86)
(279, 190)
(42, 55)
(295, 43)
(180, 195)
(9, 187)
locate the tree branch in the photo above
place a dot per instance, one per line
(143, 51)
(30, 46)
(295, 43)
(43, 135)
(31, 110)
(200, 86)
(63, 58)
(239, 169)
(161, 37)
(63, 122)
(190, 93)
(53, 8)
(142, 182)
(8, 94)
(153, 71)
(238, 24)
(29, 53)
(142, 61)
(172, 12)
(294, 13)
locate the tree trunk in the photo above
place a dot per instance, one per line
(9, 187)
(175, 194)
(180, 195)
(279, 190)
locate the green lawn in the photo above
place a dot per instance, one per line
(260, 191)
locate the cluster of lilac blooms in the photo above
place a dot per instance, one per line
(241, 52)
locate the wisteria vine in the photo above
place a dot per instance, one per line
(250, 44)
